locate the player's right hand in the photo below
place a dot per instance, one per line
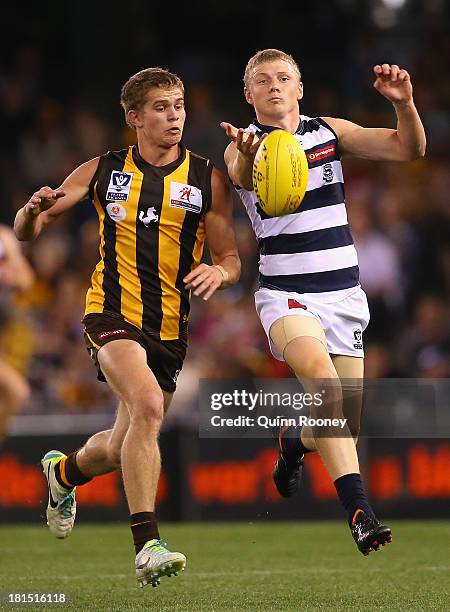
(246, 143)
(42, 200)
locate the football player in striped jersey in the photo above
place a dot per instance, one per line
(156, 202)
(310, 302)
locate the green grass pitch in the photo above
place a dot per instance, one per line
(233, 566)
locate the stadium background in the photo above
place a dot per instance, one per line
(62, 67)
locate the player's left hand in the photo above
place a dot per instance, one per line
(393, 83)
(203, 279)
(247, 143)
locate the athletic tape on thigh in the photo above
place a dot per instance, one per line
(350, 370)
(288, 328)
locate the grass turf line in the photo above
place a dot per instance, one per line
(233, 566)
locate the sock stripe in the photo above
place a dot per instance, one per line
(62, 472)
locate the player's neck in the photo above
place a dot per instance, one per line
(157, 155)
(289, 122)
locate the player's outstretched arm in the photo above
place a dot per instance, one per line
(47, 204)
(406, 143)
(226, 267)
(240, 154)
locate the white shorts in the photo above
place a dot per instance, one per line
(343, 315)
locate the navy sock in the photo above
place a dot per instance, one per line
(291, 444)
(352, 495)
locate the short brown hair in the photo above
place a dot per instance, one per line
(134, 92)
(269, 55)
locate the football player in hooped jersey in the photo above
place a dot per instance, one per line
(310, 302)
(156, 203)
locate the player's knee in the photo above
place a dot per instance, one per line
(325, 372)
(317, 370)
(149, 410)
(328, 385)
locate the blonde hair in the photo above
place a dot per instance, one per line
(269, 55)
(134, 92)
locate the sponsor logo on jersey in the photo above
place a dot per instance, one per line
(116, 211)
(112, 332)
(357, 339)
(328, 173)
(294, 304)
(186, 197)
(322, 153)
(119, 186)
(150, 217)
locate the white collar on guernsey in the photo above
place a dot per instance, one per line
(270, 128)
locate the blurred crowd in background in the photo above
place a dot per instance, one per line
(59, 104)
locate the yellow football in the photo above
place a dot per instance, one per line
(280, 174)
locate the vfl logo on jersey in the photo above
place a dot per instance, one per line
(357, 339)
(328, 174)
(116, 211)
(150, 217)
(186, 197)
(119, 186)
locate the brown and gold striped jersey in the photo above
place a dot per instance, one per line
(151, 225)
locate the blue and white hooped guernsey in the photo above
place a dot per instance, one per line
(311, 250)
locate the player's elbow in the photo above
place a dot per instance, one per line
(415, 151)
(411, 154)
(420, 150)
(409, 149)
